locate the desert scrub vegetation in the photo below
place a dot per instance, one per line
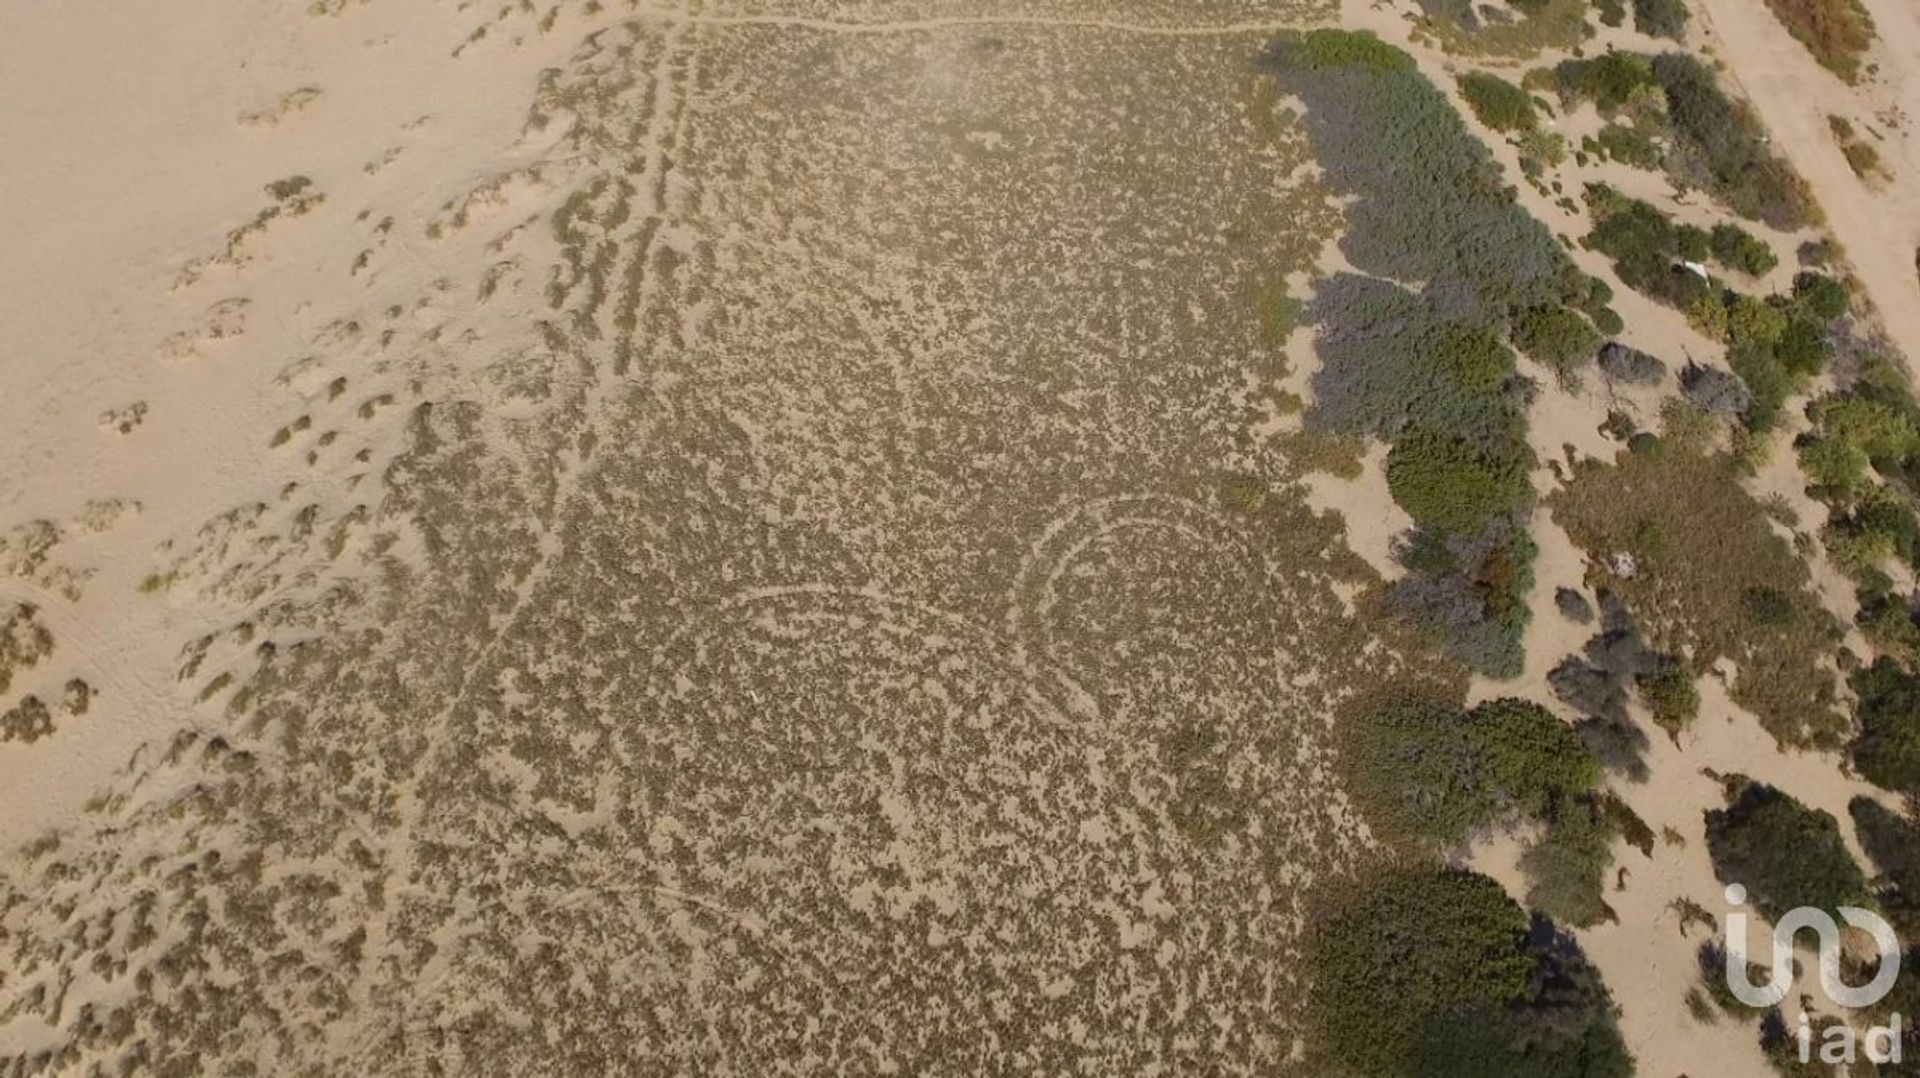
(1696, 559)
(1430, 368)
(1428, 972)
(1837, 32)
(1784, 853)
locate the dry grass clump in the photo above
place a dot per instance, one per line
(1837, 32)
(1693, 555)
(1861, 156)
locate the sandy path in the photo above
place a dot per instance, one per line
(1794, 95)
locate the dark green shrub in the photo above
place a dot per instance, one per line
(1671, 696)
(1824, 297)
(1802, 348)
(1445, 481)
(1555, 336)
(1609, 80)
(1784, 853)
(1498, 103)
(1769, 606)
(1475, 989)
(1566, 869)
(1427, 775)
(1647, 247)
(1892, 843)
(1322, 50)
(1767, 378)
(1660, 18)
(1534, 761)
(1887, 747)
(1629, 146)
(1736, 248)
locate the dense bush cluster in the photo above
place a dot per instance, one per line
(1737, 249)
(1648, 248)
(1784, 853)
(1886, 749)
(1613, 81)
(1627, 144)
(1430, 205)
(1415, 343)
(1446, 481)
(1713, 142)
(1498, 103)
(1430, 775)
(1837, 32)
(1892, 844)
(1660, 18)
(1439, 972)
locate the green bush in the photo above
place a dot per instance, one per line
(1566, 869)
(1660, 18)
(1498, 103)
(1887, 748)
(1322, 50)
(1671, 696)
(1431, 973)
(1629, 146)
(1445, 481)
(1824, 297)
(1736, 248)
(1892, 845)
(1646, 247)
(1784, 853)
(1533, 761)
(1429, 776)
(1555, 336)
(1611, 80)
